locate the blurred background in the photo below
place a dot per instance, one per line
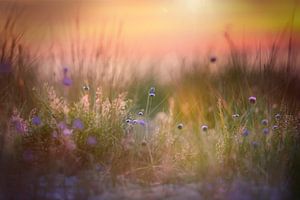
(156, 28)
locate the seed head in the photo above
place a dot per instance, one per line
(180, 126)
(204, 128)
(152, 92)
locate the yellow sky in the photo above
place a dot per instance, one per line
(160, 26)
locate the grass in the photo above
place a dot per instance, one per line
(115, 145)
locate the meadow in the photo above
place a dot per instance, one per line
(105, 132)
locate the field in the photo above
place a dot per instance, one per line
(108, 132)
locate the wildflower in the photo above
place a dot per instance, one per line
(77, 124)
(204, 128)
(266, 131)
(128, 121)
(264, 122)
(235, 116)
(180, 126)
(277, 116)
(61, 125)
(141, 122)
(275, 127)
(86, 88)
(67, 132)
(152, 92)
(140, 113)
(36, 120)
(255, 144)
(213, 59)
(246, 132)
(66, 80)
(252, 99)
(20, 125)
(91, 140)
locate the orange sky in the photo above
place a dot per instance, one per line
(158, 27)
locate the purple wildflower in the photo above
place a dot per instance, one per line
(67, 81)
(91, 140)
(128, 121)
(140, 113)
(21, 126)
(62, 125)
(141, 122)
(152, 92)
(67, 132)
(36, 120)
(266, 131)
(77, 124)
(138, 121)
(246, 132)
(252, 99)
(255, 144)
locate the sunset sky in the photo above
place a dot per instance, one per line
(158, 26)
